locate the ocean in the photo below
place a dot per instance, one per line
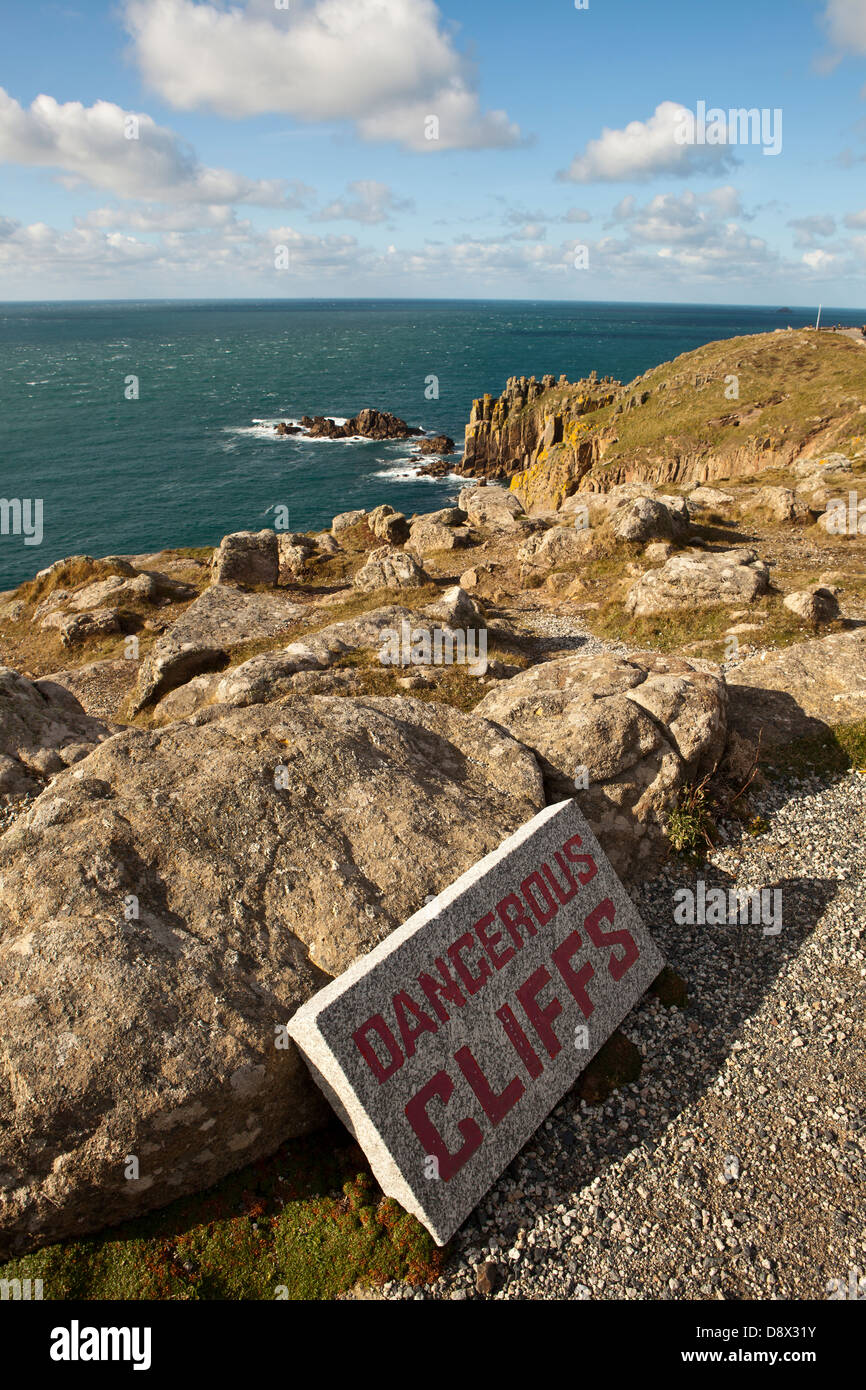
(194, 455)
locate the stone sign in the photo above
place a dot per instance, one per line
(445, 1047)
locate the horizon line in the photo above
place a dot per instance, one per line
(776, 307)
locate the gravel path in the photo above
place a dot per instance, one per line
(551, 635)
(733, 1168)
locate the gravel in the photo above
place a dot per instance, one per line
(551, 636)
(733, 1168)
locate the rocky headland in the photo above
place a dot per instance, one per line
(217, 790)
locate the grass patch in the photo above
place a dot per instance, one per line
(78, 569)
(701, 631)
(841, 749)
(308, 1223)
(690, 824)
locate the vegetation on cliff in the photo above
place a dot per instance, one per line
(727, 409)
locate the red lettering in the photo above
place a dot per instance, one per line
(403, 1005)
(381, 1070)
(447, 987)
(522, 1046)
(541, 1019)
(491, 942)
(519, 917)
(570, 849)
(473, 983)
(617, 965)
(576, 980)
(495, 1107)
(563, 895)
(539, 913)
(442, 1088)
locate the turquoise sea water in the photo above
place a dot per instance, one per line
(192, 458)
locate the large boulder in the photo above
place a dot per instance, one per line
(709, 497)
(560, 545)
(826, 463)
(813, 605)
(294, 549)
(699, 579)
(437, 444)
(642, 726)
(100, 687)
(845, 516)
(780, 504)
(272, 674)
(344, 521)
(393, 529)
(651, 519)
(168, 905)
(495, 507)
(455, 607)
(148, 587)
(388, 568)
(801, 690)
(377, 634)
(427, 536)
(388, 525)
(76, 628)
(202, 637)
(247, 557)
(43, 729)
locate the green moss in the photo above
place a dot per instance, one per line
(308, 1223)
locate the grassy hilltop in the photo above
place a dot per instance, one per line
(725, 410)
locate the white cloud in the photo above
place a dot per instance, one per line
(106, 147)
(806, 229)
(845, 22)
(385, 64)
(625, 208)
(670, 241)
(368, 202)
(724, 201)
(234, 255)
(683, 236)
(676, 217)
(530, 231)
(189, 218)
(819, 260)
(856, 219)
(645, 149)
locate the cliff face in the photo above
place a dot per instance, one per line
(727, 410)
(511, 434)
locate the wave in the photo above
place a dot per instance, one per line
(405, 472)
(263, 428)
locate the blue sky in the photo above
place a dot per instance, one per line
(186, 148)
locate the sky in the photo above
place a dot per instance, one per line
(406, 148)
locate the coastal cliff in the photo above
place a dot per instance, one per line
(726, 410)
